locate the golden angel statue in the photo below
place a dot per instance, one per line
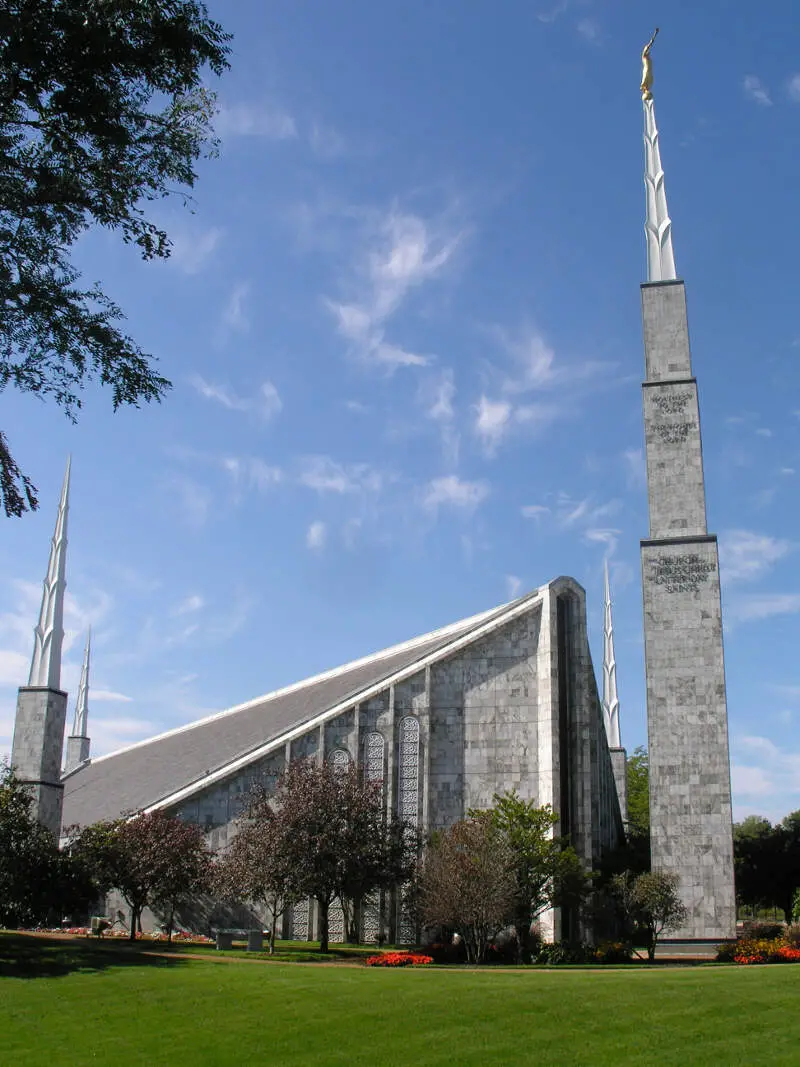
(647, 69)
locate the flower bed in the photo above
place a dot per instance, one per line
(760, 950)
(398, 959)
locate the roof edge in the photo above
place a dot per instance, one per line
(492, 619)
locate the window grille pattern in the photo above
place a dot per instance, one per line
(300, 915)
(408, 771)
(335, 923)
(375, 748)
(371, 918)
(339, 759)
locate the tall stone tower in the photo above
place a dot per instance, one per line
(78, 743)
(41, 704)
(690, 791)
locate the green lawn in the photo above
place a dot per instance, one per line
(80, 1003)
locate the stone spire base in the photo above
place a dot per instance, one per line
(36, 751)
(77, 752)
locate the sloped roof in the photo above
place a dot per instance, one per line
(143, 774)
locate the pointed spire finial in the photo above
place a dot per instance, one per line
(81, 721)
(610, 698)
(658, 226)
(49, 632)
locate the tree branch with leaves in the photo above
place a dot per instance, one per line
(103, 110)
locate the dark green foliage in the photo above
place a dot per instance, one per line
(102, 110)
(565, 952)
(767, 862)
(38, 883)
(28, 858)
(639, 792)
(547, 870)
(649, 903)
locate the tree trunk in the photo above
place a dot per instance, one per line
(134, 920)
(170, 923)
(272, 930)
(323, 924)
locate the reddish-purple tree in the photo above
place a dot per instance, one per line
(257, 865)
(336, 834)
(154, 859)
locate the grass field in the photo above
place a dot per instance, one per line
(71, 1003)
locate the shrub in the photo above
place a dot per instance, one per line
(758, 930)
(762, 950)
(727, 953)
(792, 935)
(565, 952)
(398, 959)
(613, 952)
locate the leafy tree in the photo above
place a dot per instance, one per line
(548, 871)
(468, 882)
(755, 850)
(788, 878)
(102, 110)
(258, 865)
(649, 902)
(153, 860)
(639, 792)
(29, 860)
(335, 833)
(767, 862)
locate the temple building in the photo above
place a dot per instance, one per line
(503, 700)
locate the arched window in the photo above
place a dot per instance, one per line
(408, 771)
(339, 759)
(374, 749)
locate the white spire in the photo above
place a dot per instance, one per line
(657, 227)
(49, 633)
(610, 699)
(81, 722)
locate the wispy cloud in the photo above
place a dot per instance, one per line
(252, 472)
(451, 491)
(316, 535)
(191, 499)
(793, 88)
(402, 252)
(529, 366)
(745, 555)
(603, 536)
(108, 696)
(189, 604)
(436, 395)
(755, 90)
(764, 774)
(766, 606)
(255, 120)
(588, 515)
(635, 467)
(234, 314)
(589, 30)
(513, 586)
(266, 402)
(492, 421)
(325, 475)
(534, 511)
(325, 141)
(191, 251)
(553, 11)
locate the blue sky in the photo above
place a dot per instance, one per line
(404, 333)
